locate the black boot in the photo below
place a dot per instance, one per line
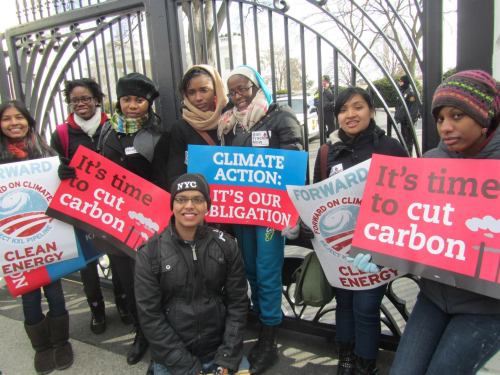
(39, 336)
(98, 317)
(346, 359)
(365, 366)
(139, 347)
(121, 306)
(254, 352)
(266, 354)
(59, 336)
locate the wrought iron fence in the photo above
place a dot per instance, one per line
(64, 40)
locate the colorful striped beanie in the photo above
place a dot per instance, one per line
(475, 92)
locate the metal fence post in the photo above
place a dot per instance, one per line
(4, 74)
(432, 70)
(164, 45)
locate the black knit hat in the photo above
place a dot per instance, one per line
(138, 85)
(190, 181)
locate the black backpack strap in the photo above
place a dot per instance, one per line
(154, 244)
(105, 132)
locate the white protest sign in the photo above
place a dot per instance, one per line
(330, 208)
(29, 238)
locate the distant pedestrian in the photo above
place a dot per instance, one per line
(49, 333)
(407, 123)
(452, 330)
(191, 289)
(328, 104)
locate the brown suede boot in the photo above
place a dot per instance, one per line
(59, 335)
(39, 336)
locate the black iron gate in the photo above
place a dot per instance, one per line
(63, 40)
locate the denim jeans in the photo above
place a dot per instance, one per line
(263, 253)
(437, 343)
(159, 369)
(32, 303)
(358, 319)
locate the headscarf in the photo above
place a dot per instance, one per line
(254, 112)
(203, 121)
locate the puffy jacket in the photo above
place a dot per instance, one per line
(348, 151)
(448, 298)
(192, 299)
(182, 135)
(281, 126)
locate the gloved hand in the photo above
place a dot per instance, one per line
(299, 229)
(65, 172)
(362, 262)
(291, 232)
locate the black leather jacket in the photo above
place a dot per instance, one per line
(192, 299)
(281, 125)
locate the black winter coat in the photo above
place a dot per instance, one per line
(149, 158)
(192, 299)
(281, 126)
(182, 135)
(411, 102)
(76, 137)
(351, 151)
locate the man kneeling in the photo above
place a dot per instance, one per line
(191, 289)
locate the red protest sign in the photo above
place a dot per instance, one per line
(437, 218)
(249, 206)
(104, 198)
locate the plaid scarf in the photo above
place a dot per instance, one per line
(125, 125)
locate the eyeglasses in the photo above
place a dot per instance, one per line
(82, 99)
(184, 200)
(239, 90)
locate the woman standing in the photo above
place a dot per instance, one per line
(83, 127)
(49, 333)
(452, 330)
(133, 138)
(358, 312)
(203, 100)
(255, 122)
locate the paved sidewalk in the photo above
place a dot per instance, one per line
(105, 354)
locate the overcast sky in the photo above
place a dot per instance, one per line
(8, 18)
